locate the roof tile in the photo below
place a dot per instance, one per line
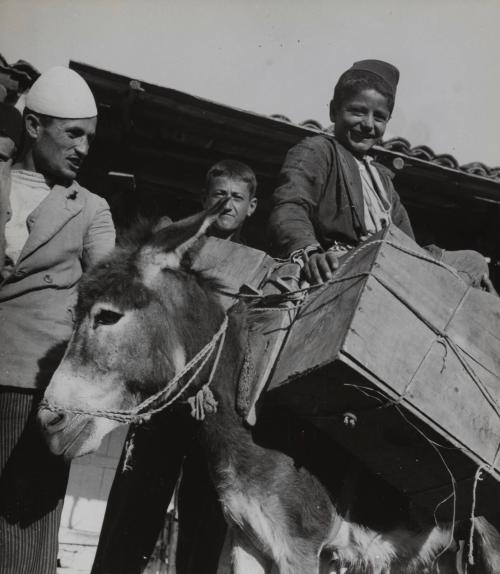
(423, 152)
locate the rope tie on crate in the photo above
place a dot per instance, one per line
(442, 336)
(477, 477)
(294, 295)
(444, 339)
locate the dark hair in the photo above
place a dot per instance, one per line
(42, 118)
(11, 123)
(233, 169)
(352, 82)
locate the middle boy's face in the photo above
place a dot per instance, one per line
(361, 121)
(241, 204)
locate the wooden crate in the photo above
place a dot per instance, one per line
(233, 265)
(404, 345)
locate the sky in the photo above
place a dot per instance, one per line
(284, 56)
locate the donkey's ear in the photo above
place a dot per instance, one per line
(171, 243)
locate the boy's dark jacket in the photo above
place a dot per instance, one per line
(320, 198)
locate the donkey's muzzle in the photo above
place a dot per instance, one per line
(52, 421)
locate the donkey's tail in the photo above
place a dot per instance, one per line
(487, 542)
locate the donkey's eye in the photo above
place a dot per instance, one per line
(106, 317)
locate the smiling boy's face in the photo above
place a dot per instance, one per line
(241, 203)
(360, 121)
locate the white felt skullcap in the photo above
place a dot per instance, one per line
(61, 93)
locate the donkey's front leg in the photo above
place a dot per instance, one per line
(247, 561)
(239, 556)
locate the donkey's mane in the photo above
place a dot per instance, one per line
(138, 234)
(117, 278)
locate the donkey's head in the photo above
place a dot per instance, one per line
(141, 314)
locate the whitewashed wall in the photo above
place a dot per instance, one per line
(89, 484)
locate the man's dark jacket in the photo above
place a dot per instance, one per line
(320, 198)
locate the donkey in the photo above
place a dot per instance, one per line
(141, 315)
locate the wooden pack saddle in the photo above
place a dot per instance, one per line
(397, 359)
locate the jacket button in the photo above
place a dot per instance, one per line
(47, 279)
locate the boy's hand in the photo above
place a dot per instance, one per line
(319, 267)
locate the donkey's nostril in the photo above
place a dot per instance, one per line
(52, 421)
(56, 420)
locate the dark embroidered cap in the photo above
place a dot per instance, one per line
(386, 71)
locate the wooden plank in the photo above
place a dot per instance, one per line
(408, 272)
(444, 394)
(386, 337)
(475, 327)
(269, 330)
(418, 284)
(320, 328)
(443, 391)
(232, 265)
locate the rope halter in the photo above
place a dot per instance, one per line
(202, 402)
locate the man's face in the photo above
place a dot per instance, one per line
(361, 121)
(61, 146)
(240, 203)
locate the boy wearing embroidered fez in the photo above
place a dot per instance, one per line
(55, 229)
(332, 195)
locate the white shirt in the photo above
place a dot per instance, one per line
(377, 208)
(27, 190)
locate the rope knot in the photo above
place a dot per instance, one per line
(142, 418)
(203, 402)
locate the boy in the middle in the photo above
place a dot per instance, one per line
(235, 181)
(139, 497)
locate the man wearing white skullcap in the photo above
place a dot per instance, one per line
(61, 93)
(56, 229)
